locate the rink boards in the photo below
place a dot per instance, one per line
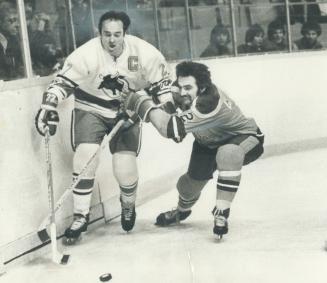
(284, 93)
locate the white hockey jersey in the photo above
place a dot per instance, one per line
(141, 64)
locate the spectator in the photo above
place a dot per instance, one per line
(44, 51)
(219, 41)
(254, 38)
(11, 63)
(277, 40)
(310, 32)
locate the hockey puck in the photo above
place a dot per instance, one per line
(105, 277)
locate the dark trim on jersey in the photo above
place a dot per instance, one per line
(84, 96)
(65, 78)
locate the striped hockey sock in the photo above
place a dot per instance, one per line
(227, 186)
(82, 194)
(128, 194)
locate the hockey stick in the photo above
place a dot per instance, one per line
(42, 232)
(57, 257)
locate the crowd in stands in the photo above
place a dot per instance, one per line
(50, 34)
(257, 41)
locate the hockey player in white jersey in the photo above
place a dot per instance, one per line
(96, 73)
(225, 140)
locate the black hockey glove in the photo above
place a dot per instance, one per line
(115, 83)
(47, 116)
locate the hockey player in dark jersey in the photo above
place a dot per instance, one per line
(96, 73)
(225, 140)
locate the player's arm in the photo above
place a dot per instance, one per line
(160, 82)
(61, 87)
(169, 126)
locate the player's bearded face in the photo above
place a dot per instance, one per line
(112, 37)
(187, 92)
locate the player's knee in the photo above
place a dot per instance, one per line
(125, 167)
(82, 156)
(230, 157)
(189, 188)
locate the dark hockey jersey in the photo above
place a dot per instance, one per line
(223, 120)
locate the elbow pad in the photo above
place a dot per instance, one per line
(176, 129)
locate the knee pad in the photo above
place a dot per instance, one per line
(230, 157)
(189, 188)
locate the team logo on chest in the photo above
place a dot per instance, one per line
(133, 63)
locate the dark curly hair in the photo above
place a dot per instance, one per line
(252, 32)
(199, 71)
(273, 26)
(307, 26)
(117, 16)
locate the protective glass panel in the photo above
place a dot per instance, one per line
(261, 26)
(173, 32)
(11, 56)
(308, 25)
(143, 24)
(51, 38)
(211, 29)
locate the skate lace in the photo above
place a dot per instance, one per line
(172, 213)
(78, 223)
(127, 212)
(220, 220)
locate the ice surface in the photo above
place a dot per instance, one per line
(278, 226)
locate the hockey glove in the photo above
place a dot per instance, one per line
(139, 103)
(158, 89)
(47, 116)
(115, 83)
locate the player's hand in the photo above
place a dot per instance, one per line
(140, 104)
(159, 89)
(46, 118)
(115, 83)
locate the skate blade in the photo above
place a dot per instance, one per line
(71, 241)
(219, 238)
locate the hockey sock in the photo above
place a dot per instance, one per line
(227, 186)
(82, 194)
(184, 205)
(128, 193)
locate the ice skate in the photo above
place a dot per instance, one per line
(74, 232)
(128, 216)
(172, 217)
(220, 227)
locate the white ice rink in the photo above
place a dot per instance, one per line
(278, 226)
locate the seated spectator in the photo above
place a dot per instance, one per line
(219, 42)
(11, 62)
(45, 55)
(310, 32)
(253, 40)
(277, 40)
